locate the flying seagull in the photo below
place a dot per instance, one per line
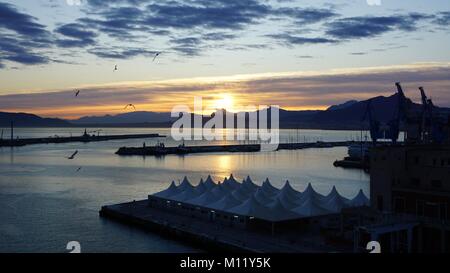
(129, 105)
(156, 55)
(77, 93)
(73, 155)
(115, 68)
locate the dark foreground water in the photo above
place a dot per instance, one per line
(45, 202)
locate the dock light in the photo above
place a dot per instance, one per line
(179, 204)
(236, 216)
(168, 202)
(251, 218)
(213, 211)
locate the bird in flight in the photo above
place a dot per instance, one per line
(73, 155)
(77, 93)
(79, 169)
(115, 68)
(129, 105)
(156, 55)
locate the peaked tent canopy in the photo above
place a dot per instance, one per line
(269, 189)
(230, 184)
(265, 202)
(248, 183)
(209, 183)
(185, 184)
(336, 203)
(278, 211)
(251, 208)
(226, 203)
(261, 197)
(311, 194)
(360, 200)
(185, 195)
(310, 208)
(205, 199)
(170, 191)
(241, 194)
(201, 188)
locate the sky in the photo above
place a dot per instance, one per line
(295, 54)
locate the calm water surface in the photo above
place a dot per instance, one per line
(45, 202)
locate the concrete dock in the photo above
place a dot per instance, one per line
(210, 235)
(83, 138)
(159, 151)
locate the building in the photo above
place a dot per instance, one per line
(410, 186)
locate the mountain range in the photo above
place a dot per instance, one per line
(348, 115)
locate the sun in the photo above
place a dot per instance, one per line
(225, 102)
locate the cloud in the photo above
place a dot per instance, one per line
(220, 14)
(120, 53)
(189, 46)
(443, 18)
(372, 26)
(20, 50)
(288, 39)
(218, 36)
(306, 15)
(77, 34)
(21, 37)
(206, 23)
(21, 23)
(209, 21)
(302, 90)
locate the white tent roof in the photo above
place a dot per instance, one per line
(336, 203)
(201, 188)
(225, 203)
(265, 202)
(332, 194)
(185, 184)
(170, 191)
(261, 197)
(230, 184)
(360, 200)
(270, 190)
(209, 183)
(232, 180)
(204, 199)
(287, 201)
(290, 190)
(250, 207)
(311, 194)
(220, 190)
(241, 194)
(310, 208)
(185, 195)
(280, 213)
(248, 184)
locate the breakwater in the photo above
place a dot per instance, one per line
(159, 151)
(84, 138)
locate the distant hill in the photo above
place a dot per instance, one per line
(346, 116)
(351, 117)
(30, 120)
(343, 105)
(130, 117)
